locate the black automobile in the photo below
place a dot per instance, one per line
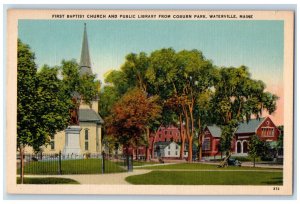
(234, 162)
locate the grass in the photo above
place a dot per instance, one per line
(79, 166)
(142, 163)
(138, 163)
(47, 181)
(199, 166)
(207, 178)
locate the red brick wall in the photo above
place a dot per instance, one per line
(213, 144)
(167, 134)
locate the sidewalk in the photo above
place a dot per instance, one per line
(263, 165)
(115, 178)
(250, 164)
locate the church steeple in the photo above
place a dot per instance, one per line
(85, 60)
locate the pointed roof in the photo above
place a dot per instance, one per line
(249, 126)
(85, 60)
(215, 130)
(243, 127)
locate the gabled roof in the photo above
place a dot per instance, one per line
(163, 144)
(250, 126)
(215, 130)
(244, 127)
(89, 115)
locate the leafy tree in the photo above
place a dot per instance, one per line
(203, 116)
(131, 116)
(182, 77)
(28, 131)
(110, 143)
(238, 98)
(280, 138)
(42, 108)
(257, 148)
(86, 87)
(132, 75)
(108, 97)
(52, 104)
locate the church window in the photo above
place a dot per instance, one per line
(86, 139)
(52, 142)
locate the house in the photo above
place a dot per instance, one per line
(90, 121)
(211, 141)
(164, 134)
(264, 128)
(166, 150)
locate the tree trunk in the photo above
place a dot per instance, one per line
(190, 156)
(182, 149)
(147, 147)
(189, 132)
(182, 136)
(200, 148)
(22, 164)
(200, 140)
(136, 153)
(152, 147)
(154, 139)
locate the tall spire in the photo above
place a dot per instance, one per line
(85, 60)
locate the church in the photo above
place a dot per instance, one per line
(89, 132)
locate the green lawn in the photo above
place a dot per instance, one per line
(137, 163)
(47, 181)
(199, 166)
(142, 163)
(207, 178)
(79, 166)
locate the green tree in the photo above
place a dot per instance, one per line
(85, 86)
(280, 138)
(203, 117)
(108, 97)
(182, 77)
(42, 108)
(52, 104)
(28, 131)
(238, 98)
(258, 148)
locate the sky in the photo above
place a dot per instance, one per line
(256, 44)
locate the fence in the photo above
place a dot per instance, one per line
(55, 164)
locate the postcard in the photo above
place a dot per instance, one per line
(149, 102)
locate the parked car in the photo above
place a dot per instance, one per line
(234, 162)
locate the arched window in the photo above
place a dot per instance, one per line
(86, 139)
(238, 147)
(245, 147)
